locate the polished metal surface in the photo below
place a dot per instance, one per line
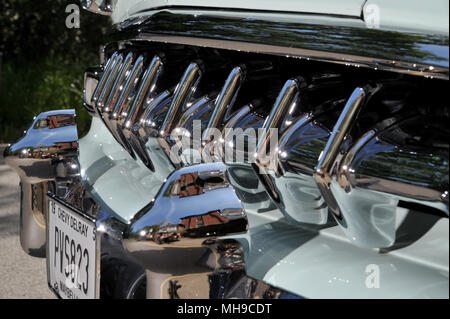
(292, 191)
(300, 200)
(324, 170)
(91, 81)
(152, 106)
(145, 90)
(195, 112)
(184, 91)
(303, 166)
(121, 107)
(284, 107)
(105, 86)
(427, 55)
(181, 239)
(231, 229)
(107, 70)
(103, 7)
(238, 116)
(225, 100)
(117, 86)
(51, 139)
(48, 152)
(372, 179)
(200, 208)
(129, 126)
(145, 129)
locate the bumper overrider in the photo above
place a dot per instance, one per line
(46, 160)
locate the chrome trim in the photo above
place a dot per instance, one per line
(145, 128)
(91, 81)
(233, 122)
(101, 84)
(285, 105)
(244, 118)
(184, 91)
(149, 141)
(345, 170)
(117, 87)
(368, 194)
(146, 89)
(191, 113)
(130, 125)
(120, 108)
(120, 80)
(110, 76)
(323, 172)
(298, 125)
(353, 173)
(236, 117)
(146, 119)
(194, 210)
(47, 152)
(426, 55)
(300, 199)
(225, 100)
(105, 7)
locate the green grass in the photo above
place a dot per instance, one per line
(28, 89)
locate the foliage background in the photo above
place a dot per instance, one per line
(42, 62)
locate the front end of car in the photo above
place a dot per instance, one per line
(266, 150)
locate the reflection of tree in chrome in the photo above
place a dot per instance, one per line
(428, 171)
(389, 45)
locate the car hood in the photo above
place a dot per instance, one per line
(342, 7)
(403, 15)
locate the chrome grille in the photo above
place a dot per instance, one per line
(323, 147)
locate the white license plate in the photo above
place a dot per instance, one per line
(72, 261)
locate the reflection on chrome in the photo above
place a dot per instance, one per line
(184, 239)
(301, 169)
(47, 152)
(91, 81)
(323, 173)
(104, 89)
(183, 93)
(193, 208)
(225, 100)
(372, 179)
(103, 7)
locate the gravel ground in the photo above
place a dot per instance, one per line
(22, 276)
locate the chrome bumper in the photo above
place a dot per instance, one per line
(183, 241)
(45, 160)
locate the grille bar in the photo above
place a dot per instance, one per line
(140, 108)
(146, 88)
(116, 88)
(120, 108)
(182, 95)
(226, 98)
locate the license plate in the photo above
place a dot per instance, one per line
(72, 259)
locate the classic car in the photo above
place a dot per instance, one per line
(256, 149)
